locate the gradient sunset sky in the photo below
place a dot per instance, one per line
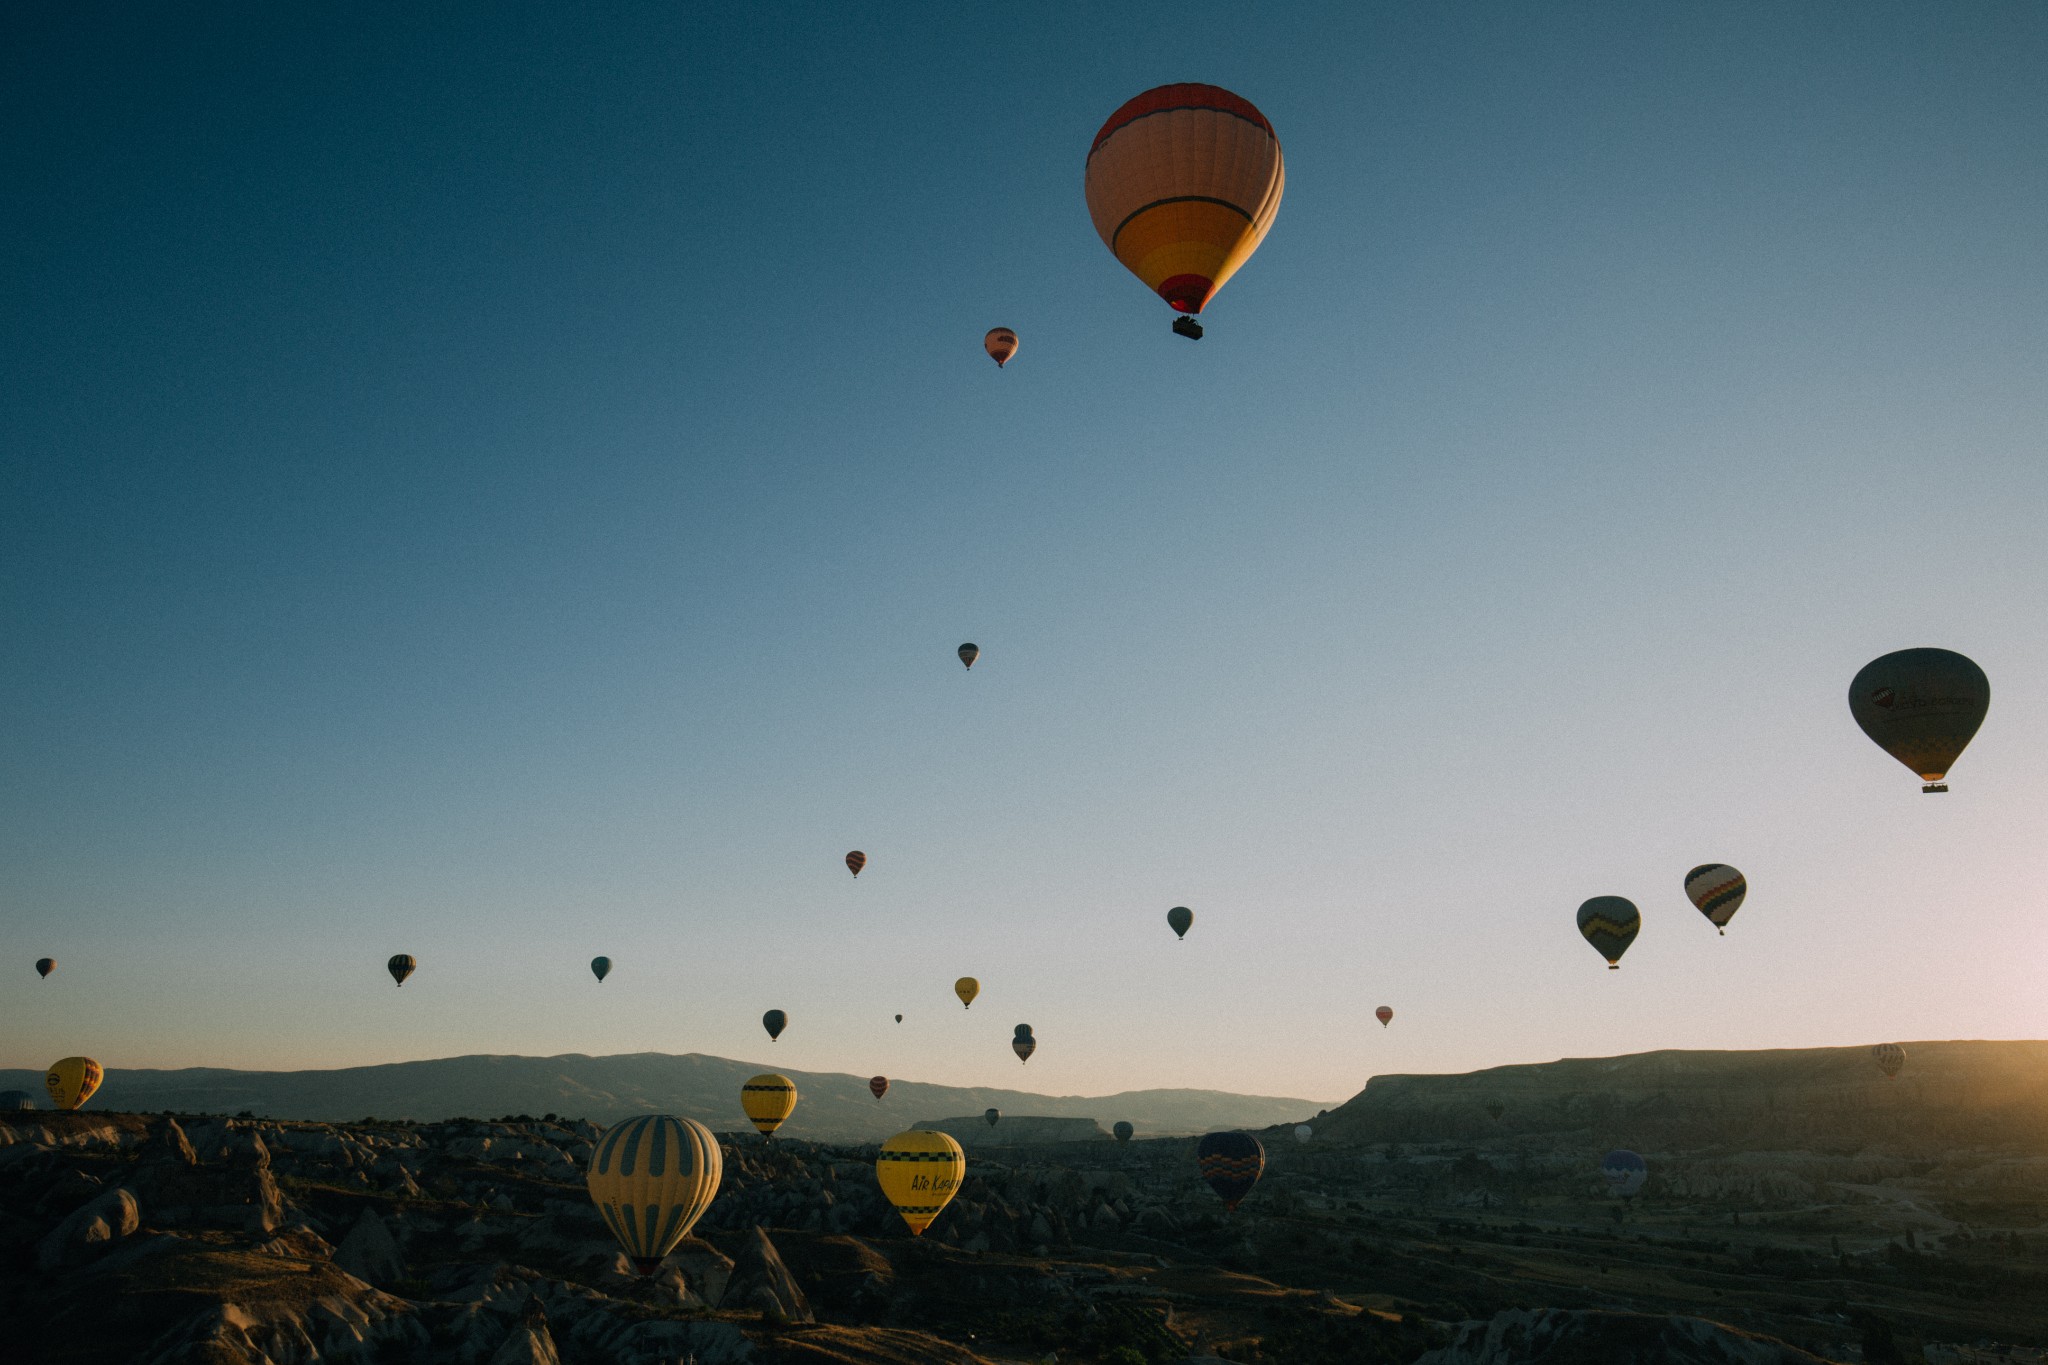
(505, 483)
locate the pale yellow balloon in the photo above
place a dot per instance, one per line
(967, 988)
(72, 1081)
(920, 1173)
(651, 1178)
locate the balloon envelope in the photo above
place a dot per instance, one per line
(855, 861)
(967, 988)
(1624, 1172)
(1921, 706)
(1023, 1045)
(1716, 891)
(969, 653)
(1385, 1014)
(878, 1086)
(401, 966)
(775, 1021)
(600, 967)
(651, 1178)
(1494, 1109)
(1183, 183)
(899, 1018)
(919, 1172)
(992, 1115)
(768, 1099)
(1610, 924)
(72, 1081)
(45, 965)
(1890, 1058)
(1180, 919)
(1123, 1130)
(1001, 344)
(1302, 1132)
(1231, 1163)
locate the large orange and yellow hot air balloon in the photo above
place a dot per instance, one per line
(1183, 183)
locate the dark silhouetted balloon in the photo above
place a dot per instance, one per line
(401, 966)
(1921, 706)
(1180, 919)
(1385, 1014)
(46, 965)
(899, 1018)
(1610, 924)
(1023, 1045)
(992, 1115)
(600, 967)
(969, 653)
(855, 861)
(1494, 1109)
(1231, 1163)
(878, 1086)
(775, 1021)
(1624, 1172)
(1123, 1130)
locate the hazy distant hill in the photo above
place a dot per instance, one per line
(833, 1107)
(1949, 1093)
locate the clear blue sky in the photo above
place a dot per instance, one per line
(504, 483)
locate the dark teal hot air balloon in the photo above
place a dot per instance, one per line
(45, 965)
(1610, 924)
(401, 966)
(775, 1021)
(1624, 1172)
(1921, 706)
(1231, 1163)
(1180, 919)
(1123, 1130)
(969, 653)
(992, 1115)
(600, 967)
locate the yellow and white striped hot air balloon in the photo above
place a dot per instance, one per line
(768, 1098)
(72, 1081)
(651, 1178)
(1183, 183)
(920, 1172)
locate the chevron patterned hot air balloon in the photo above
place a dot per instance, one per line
(1183, 183)
(1610, 924)
(1231, 1163)
(651, 1178)
(1716, 889)
(878, 1086)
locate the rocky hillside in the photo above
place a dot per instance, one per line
(1949, 1094)
(835, 1108)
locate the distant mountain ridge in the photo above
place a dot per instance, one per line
(833, 1107)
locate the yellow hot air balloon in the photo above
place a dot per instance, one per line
(768, 1099)
(1183, 183)
(72, 1081)
(967, 988)
(651, 1178)
(919, 1172)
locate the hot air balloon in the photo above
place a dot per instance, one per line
(992, 1115)
(45, 965)
(401, 966)
(1231, 1163)
(1183, 183)
(1610, 924)
(878, 1086)
(1021, 1031)
(1180, 919)
(1302, 1132)
(855, 861)
(969, 653)
(1001, 344)
(1123, 1130)
(1921, 706)
(1890, 1058)
(651, 1178)
(919, 1172)
(72, 1081)
(1023, 1045)
(775, 1021)
(899, 1018)
(600, 967)
(1494, 1109)
(768, 1099)
(1624, 1172)
(967, 988)
(1385, 1014)
(1716, 890)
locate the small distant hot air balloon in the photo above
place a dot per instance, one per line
(992, 1116)
(401, 966)
(1302, 1132)
(1180, 919)
(1890, 1058)
(1624, 1172)
(878, 1086)
(1610, 924)
(768, 1099)
(1231, 1163)
(967, 988)
(72, 1081)
(775, 1021)
(969, 653)
(651, 1178)
(919, 1172)
(1385, 1014)
(600, 967)
(1716, 890)
(899, 1018)
(855, 861)
(1921, 706)
(45, 965)
(1001, 344)
(1023, 1045)
(1183, 183)
(1494, 1109)
(1123, 1130)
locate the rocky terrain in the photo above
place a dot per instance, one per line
(175, 1238)
(835, 1108)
